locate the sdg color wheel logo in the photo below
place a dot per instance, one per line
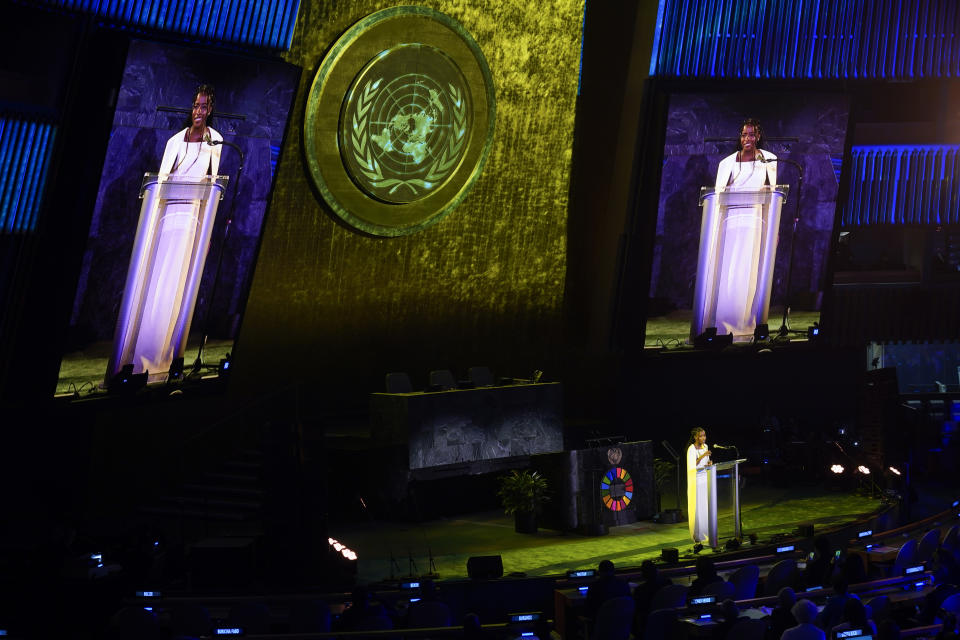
(616, 489)
(399, 120)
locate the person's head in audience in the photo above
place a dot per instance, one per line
(705, 567)
(786, 598)
(855, 614)
(648, 570)
(804, 611)
(821, 545)
(888, 630)
(605, 568)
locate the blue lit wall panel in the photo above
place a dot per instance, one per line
(25, 149)
(903, 185)
(266, 24)
(896, 39)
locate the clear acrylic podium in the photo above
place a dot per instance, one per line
(711, 471)
(738, 250)
(163, 279)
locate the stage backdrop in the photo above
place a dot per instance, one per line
(813, 126)
(482, 287)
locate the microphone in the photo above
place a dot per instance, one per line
(721, 446)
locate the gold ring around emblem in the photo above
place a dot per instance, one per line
(399, 120)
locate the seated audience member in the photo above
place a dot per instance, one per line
(819, 569)
(781, 617)
(643, 594)
(730, 613)
(364, 613)
(854, 617)
(805, 612)
(429, 611)
(706, 574)
(832, 612)
(607, 586)
(949, 630)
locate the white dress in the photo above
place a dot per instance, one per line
(742, 236)
(164, 301)
(697, 494)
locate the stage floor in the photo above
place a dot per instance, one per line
(673, 330)
(766, 512)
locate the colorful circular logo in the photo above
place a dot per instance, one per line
(616, 489)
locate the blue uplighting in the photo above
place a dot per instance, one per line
(903, 184)
(25, 150)
(893, 39)
(266, 24)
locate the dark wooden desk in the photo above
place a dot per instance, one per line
(468, 425)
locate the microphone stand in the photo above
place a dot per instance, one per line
(784, 330)
(198, 363)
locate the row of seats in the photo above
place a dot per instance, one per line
(439, 380)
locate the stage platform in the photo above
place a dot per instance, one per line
(769, 513)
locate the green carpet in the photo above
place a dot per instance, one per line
(83, 371)
(765, 512)
(673, 329)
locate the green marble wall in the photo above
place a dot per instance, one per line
(338, 310)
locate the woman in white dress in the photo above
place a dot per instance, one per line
(749, 168)
(698, 456)
(187, 155)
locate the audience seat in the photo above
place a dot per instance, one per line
(442, 380)
(782, 574)
(744, 581)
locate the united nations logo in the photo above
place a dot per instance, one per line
(405, 123)
(396, 132)
(614, 455)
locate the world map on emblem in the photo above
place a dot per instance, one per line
(405, 123)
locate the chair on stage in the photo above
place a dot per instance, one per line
(927, 545)
(480, 376)
(399, 382)
(745, 581)
(614, 620)
(747, 629)
(669, 596)
(783, 574)
(442, 380)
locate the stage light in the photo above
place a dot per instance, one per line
(342, 549)
(761, 333)
(862, 469)
(837, 468)
(895, 471)
(709, 339)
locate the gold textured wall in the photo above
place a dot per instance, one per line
(338, 309)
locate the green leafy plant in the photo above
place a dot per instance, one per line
(523, 492)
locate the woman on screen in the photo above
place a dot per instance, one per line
(698, 456)
(188, 154)
(748, 168)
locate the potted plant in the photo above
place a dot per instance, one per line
(522, 493)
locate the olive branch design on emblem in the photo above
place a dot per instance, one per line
(361, 152)
(449, 153)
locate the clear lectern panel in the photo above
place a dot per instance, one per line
(169, 251)
(738, 249)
